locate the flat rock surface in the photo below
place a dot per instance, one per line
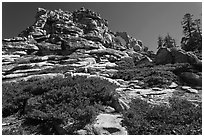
(109, 124)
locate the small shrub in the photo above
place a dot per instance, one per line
(54, 101)
(154, 75)
(181, 118)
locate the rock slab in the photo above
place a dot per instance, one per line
(109, 124)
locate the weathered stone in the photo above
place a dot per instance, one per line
(134, 44)
(82, 132)
(173, 85)
(193, 59)
(39, 59)
(9, 58)
(134, 86)
(13, 76)
(163, 56)
(70, 46)
(137, 56)
(191, 78)
(21, 67)
(152, 92)
(123, 35)
(140, 43)
(157, 89)
(48, 48)
(108, 38)
(94, 37)
(26, 71)
(84, 62)
(144, 60)
(70, 29)
(107, 51)
(133, 81)
(86, 47)
(179, 56)
(119, 104)
(109, 109)
(109, 72)
(190, 90)
(108, 124)
(21, 46)
(91, 24)
(15, 39)
(185, 87)
(21, 53)
(137, 47)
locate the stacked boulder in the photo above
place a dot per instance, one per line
(175, 55)
(82, 31)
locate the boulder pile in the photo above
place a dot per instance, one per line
(175, 55)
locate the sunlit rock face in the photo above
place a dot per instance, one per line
(80, 47)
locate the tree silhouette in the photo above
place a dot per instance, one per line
(188, 25)
(167, 42)
(192, 39)
(160, 42)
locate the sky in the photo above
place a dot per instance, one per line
(142, 20)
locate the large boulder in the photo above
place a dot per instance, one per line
(123, 35)
(14, 39)
(134, 44)
(191, 78)
(137, 47)
(175, 55)
(46, 48)
(179, 56)
(89, 22)
(144, 60)
(70, 45)
(163, 56)
(193, 59)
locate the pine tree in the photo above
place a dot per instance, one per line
(188, 25)
(192, 39)
(169, 42)
(160, 42)
(198, 26)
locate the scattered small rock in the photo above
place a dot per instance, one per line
(173, 85)
(194, 91)
(157, 89)
(81, 132)
(185, 87)
(109, 109)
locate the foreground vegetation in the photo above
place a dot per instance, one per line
(180, 118)
(53, 102)
(74, 103)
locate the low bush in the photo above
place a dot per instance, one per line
(54, 101)
(181, 118)
(154, 75)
